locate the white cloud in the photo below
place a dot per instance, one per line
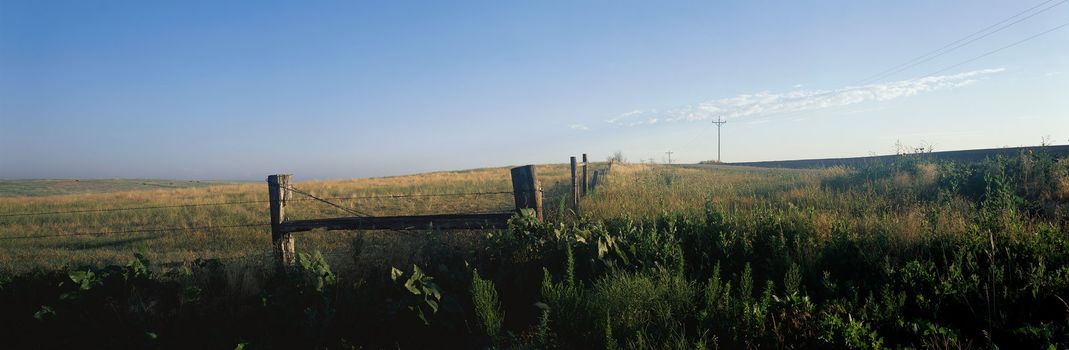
(578, 127)
(766, 103)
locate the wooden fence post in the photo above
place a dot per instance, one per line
(527, 190)
(594, 181)
(278, 192)
(575, 186)
(583, 188)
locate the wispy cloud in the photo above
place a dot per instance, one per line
(934, 135)
(766, 103)
(578, 127)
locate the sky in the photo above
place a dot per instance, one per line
(239, 90)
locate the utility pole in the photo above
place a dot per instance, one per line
(719, 122)
(669, 153)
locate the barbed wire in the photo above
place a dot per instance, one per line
(131, 208)
(421, 195)
(325, 200)
(120, 209)
(351, 211)
(139, 230)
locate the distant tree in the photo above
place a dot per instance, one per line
(617, 156)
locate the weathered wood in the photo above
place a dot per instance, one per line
(278, 193)
(575, 187)
(582, 189)
(418, 222)
(527, 190)
(594, 181)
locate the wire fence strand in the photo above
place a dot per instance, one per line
(420, 195)
(351, 211)
(313, 198)
(138, 230)
(131, 208)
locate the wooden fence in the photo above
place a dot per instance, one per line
(526, 190)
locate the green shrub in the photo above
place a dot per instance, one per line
(423, 295)
(487, 306)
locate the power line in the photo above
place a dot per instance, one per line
(999, 49)
(140, 230)
(719, 122)
(955, 44)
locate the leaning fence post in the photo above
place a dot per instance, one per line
(583, 188)
(278, 192)
(575, 187)
(527, 190)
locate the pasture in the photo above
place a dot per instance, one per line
(101, 222)
(915, 253)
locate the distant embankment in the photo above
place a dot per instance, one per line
(965, 156)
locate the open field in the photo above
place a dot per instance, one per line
(37, 188)
(77, 226)
(917, 253)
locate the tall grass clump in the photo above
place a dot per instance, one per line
(487, 306)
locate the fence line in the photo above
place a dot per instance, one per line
(325, 200)
(250, 202)
(422, 195)
(132, 208)
(139, 230)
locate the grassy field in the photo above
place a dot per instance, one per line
(918, 253)
(83, 238)
(38, 188)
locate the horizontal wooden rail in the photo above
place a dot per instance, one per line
(526, 189)
(419, 222)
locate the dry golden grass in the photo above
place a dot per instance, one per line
(648, 191)
(645, 191)
(633, 190)
(76, 246)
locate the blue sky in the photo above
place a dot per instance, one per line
(240, 90)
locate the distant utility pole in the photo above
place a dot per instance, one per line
(719, 122)
(669, 153)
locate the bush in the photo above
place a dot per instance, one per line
(487, 307)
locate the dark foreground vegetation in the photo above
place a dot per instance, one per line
(982, 262)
